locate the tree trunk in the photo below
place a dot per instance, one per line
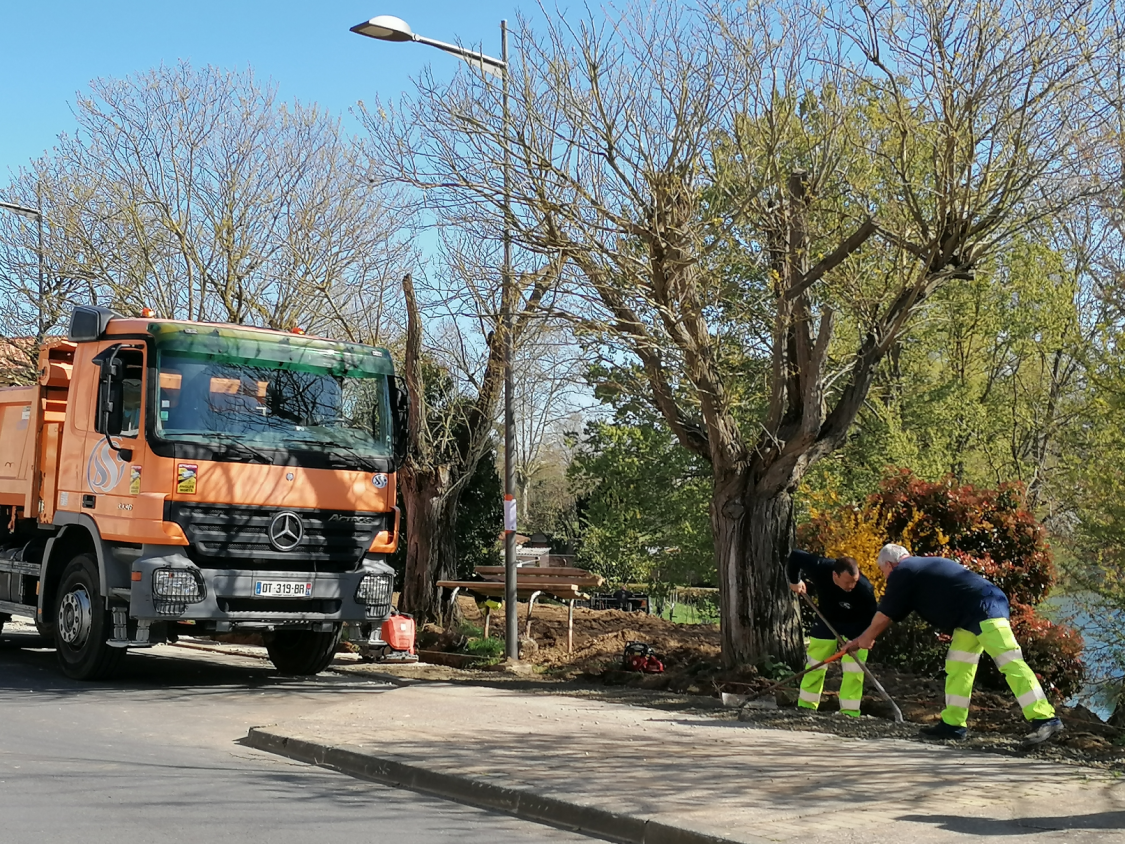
(753, 537)
(431, 539)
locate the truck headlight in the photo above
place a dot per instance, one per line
(374, 593)
(174, 589)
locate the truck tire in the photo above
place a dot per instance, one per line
(302, 652)
(82, 624)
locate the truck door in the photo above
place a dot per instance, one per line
(115, 448)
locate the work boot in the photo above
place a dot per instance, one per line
(1044, 729)
(942, 731)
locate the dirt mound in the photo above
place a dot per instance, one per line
(690, 652)
(600, 637)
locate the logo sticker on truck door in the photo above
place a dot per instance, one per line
(186, 476)
(135, 480)
(103, 470)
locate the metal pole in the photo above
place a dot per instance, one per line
(511, 617)
(39, 221)
(37, 213)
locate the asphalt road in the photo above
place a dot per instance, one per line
(154, 756)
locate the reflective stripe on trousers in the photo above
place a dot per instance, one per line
(997, 641)
(812, 684)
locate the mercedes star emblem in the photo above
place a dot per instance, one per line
(286, 531)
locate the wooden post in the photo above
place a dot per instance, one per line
(530, 607)
(570, 627)
(487, 618)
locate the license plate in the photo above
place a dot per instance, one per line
(283, 588)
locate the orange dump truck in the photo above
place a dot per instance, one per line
(167, 478)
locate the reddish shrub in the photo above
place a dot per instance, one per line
(990, 531)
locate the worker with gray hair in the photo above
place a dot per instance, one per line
(954, 599)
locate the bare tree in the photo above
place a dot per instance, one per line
(455, 377)
(200, 195)
(752, 204)
(549, 375)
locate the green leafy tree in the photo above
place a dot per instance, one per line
(642, 505)
(480, 519)
(988, 388)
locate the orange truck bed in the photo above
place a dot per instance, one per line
(17, 438)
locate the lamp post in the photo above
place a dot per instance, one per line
(390, 28)
(37, 215)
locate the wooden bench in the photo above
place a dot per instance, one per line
(563, 583)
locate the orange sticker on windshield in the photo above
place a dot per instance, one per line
(186, 475)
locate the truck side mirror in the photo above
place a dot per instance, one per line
(109, 417)
(400, 419)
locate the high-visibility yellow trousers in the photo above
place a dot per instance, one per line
(851, 687)
(997, 641)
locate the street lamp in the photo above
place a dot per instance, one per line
(390, 28)
(37, 215)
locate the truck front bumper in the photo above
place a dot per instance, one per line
(229, 595)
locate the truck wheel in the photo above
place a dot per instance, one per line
(82, 624)
(302, 651)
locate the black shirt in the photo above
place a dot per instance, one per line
(944, 593)
(849, 612)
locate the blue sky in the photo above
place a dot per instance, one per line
(52, 50)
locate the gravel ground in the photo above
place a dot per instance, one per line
(868, 727)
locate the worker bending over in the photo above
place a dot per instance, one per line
(848, 602)
(952, 598)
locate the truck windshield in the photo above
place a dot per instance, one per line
(255, 395)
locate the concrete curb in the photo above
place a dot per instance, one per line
(522, 804)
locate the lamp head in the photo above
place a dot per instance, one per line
(385, 28)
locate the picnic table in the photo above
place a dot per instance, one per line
(563, 583)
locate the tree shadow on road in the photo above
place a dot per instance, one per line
(27, 660)
(1021, 826)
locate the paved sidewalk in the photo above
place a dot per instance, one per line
(644, 775)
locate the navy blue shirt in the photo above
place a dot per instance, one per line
(943, 592)
(849, 612)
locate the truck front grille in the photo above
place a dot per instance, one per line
(220, 534)
(280, 606)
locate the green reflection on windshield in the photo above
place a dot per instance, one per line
(228, 344)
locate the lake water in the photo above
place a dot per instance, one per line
(1103, 634)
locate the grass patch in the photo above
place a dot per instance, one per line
(490, 647)
(683, 613)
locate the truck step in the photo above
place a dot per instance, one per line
(12, 608)
(19, 567)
